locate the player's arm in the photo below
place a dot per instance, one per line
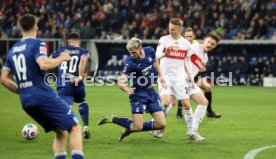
(188, 68)
(7, 82)
(161, 51)
(46, 63)
(158, 70)
(82, 66)
(122, 84)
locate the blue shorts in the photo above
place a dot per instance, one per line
(145, 101)
(54, 113)
(72, 94)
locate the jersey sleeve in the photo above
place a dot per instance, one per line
(160, 48)
(55, 53)
(40, 50)
(7, 63)
(127, 69)
(195, 59)
(152, 54)
(190, 51)
(86, 53)
(188, 62)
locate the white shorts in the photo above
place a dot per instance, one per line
(192, 90)
(176, 89)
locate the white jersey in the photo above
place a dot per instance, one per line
(198, 58)
(172, 65)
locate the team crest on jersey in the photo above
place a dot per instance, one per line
(43, 50)
(149, 59)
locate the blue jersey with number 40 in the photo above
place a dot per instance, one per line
(21, 59)
(69, 69)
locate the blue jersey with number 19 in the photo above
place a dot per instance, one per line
(69, 69)
(21, 59)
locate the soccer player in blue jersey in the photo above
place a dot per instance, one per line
(27, 61)
(70, 85)
(139, 71)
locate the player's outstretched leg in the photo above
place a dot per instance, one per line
(107, 118)
(126, 132)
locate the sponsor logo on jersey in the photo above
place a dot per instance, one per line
(177, 54)
(146, 70)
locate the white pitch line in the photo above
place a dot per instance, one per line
(251, 154)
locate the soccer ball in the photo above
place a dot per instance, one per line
(30, 131)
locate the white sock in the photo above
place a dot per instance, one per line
(167, 109)
(198, 116)
(188, 116)
(57, 154)
(76, 152)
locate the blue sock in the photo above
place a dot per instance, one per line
(60, 155)
(124, 122)
(77, 154)
(149, 125)
(84, 112)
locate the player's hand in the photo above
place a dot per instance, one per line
(65, 56)
(163, 82)
(76, 80)
(191, 80)
(129, 90)
(167, 50)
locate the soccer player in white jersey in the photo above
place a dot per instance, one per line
(201, 82)
(172, 50)
(198, 56)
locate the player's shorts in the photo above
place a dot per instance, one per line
(190, 90)
(52, 113)
(200, 75)
(145, 101)
(176, 89)
(72, 94)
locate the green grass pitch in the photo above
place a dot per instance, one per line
(248, 122)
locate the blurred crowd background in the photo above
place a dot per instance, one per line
(146, 19)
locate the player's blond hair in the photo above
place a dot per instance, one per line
(133, 43)
(177, 22)
(189, 29)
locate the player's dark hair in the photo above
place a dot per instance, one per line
(27, 22)
(74, 35)
(177, 22)
(214, 35)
